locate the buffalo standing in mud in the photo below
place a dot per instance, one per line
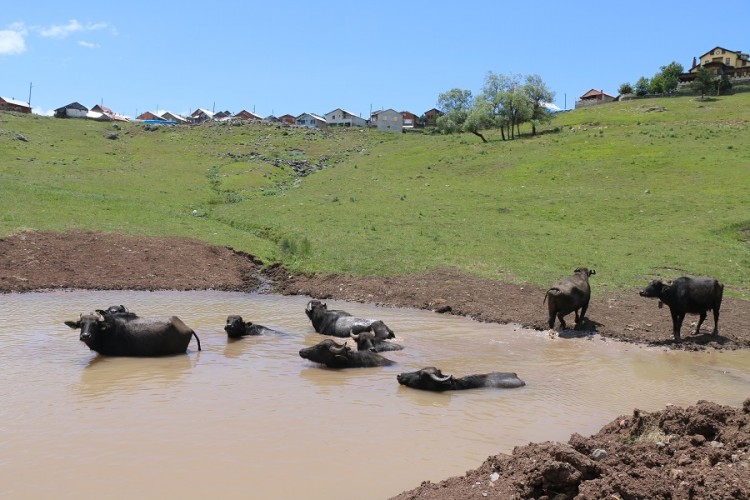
(237, 328)
(432, 379)
(335, 355)
(572, 294)
(341, 323)
(688, 295)
(126, 334)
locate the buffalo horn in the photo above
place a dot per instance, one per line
(337, 349)
(442, 379)
(354, 336)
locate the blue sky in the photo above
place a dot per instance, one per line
(278, 57)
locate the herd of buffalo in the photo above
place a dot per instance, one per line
(116, 331)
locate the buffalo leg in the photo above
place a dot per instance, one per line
(700, 322)
(677, 324)
(551, 320)
(562, 321)
(716, 321)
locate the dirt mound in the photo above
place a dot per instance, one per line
(696, 452)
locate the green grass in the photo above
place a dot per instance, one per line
(637, 189)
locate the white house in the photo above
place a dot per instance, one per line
(72, 110)
(311, 120)
(388, 120)
(342, 118)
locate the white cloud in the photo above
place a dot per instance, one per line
(73, 26)
(12, 40)
(88, 45)
(43, 112)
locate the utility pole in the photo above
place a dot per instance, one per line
(31, 84)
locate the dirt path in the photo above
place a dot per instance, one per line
(698, 452)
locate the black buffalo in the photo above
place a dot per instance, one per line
(688, 295)
(334, 355)
(571, 294)
(432, 379)
(236, 328)
(121, 334)
(341, 323)
(368, 341)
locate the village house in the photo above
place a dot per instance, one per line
(288, 119)
(721, 61)
(594, 96)
(169, 116)
(200, 115)
(72, 110)
(410, 119)
(247, 115)
(431, 116)
(148, 115)
(342, 118)
(388, 120)
(14, 105)
(311, 120)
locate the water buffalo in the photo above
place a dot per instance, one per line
(367, 341)
(236, 328)
(432, 379)
(688, 295)
(569, 295)
(341, 323)
(113, 334)
(333, 355)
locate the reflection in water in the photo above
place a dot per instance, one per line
(112, 376)
(251, 415)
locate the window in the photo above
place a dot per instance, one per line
(727, 61)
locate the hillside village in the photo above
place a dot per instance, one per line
(734, 65)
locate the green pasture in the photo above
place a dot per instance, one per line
(638, 189)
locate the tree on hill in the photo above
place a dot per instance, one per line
(456, 104)
(625, 88)
(667, 79)
(705, 82)
(538, 94)
(642, 86)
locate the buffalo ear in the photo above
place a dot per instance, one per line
(73, 324)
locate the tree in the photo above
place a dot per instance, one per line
(538, 95)
(670, 76)
(705, 82)
(642, 86)
(479, 118)
(456, 103)
(625, 88)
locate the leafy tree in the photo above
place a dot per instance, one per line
(656, 84)
(479, 118)
(456, 103)
(538, 94)
(642, 86)
(625, 88)
(705, 82)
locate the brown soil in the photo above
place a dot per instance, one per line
(696, 452)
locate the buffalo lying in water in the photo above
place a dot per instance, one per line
(236, 328)
(368, 341)
(341, 323)
(333, 355)
(432, 379)
(122, 333)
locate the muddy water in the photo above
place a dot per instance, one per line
(251, 419)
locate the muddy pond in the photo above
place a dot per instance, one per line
(251, 419)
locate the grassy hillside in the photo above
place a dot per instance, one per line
(634, 189)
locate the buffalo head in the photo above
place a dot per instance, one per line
(91, 326)
(327, 352)
(429, 378)
(235, 326)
